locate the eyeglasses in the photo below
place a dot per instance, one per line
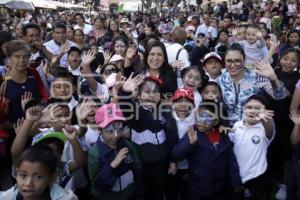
(235, 62)
(204, 118)
(108, 72)
(115, 128)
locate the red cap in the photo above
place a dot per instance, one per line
(183, 92)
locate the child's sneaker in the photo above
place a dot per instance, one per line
(281, 193)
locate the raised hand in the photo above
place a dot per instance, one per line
(131, 51)
(64, 48)
(295, 117)
(83, 110)
(18, 125)
(107, 55)
(192, 134)
(87, 58)
(274, 44)
(34, 113)
(25, 98)
(131, 84)
(70, 132)
(49, 114)
(265, 69)
(266, 115)
(119, 157)
(259, 35)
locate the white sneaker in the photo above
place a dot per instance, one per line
(281, 193)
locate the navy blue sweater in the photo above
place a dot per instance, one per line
(211, 167)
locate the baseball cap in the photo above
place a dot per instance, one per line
(116, 58)
(108, 113)
(183, 92)
(48, 134)
(212, 55)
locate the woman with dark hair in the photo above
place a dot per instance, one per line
(280, 149)
(98, 30)
(292, 40)
(238, 83)
(156, 65)
(113, 30)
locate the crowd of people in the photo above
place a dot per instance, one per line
(199, 105)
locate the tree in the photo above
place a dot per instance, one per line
(147, 3)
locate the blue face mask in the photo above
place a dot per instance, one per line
(204, 118)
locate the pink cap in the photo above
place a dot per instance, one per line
(108, 113)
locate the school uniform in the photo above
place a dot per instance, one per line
(250, 148)
(176, 128)
(120, 183)
(148, 135)
(212, 166)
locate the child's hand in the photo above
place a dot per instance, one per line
(131, 51)
(265, 69)
(259, 35)
(172, 168)
(225, 130)
(70, 132)
(49, 114)
(295, 117)
(119, 157)
(131, 84)
(64, 48)
(18, 125)
(83, 110)
(266, 115)
(274, 44)
(87, 58)
(25, 98)
(192, 134)
(107, 55)
(34, 113)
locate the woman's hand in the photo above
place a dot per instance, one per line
(265, 69)
(131, 84)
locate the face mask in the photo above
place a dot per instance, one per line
(204, 118)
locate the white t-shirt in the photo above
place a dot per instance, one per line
(86, 28)
(54, 48)
(250, 149)
(172, 51)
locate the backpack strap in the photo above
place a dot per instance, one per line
(178, 53)
(93, 163)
